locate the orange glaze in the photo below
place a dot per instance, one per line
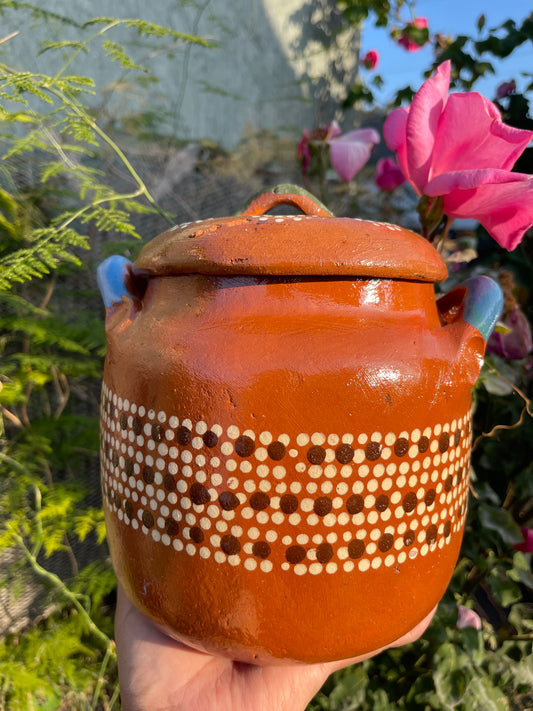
(286, 436)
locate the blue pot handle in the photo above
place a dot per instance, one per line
(111, 278)
(483, 304)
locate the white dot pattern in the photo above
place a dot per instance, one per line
(205, 489)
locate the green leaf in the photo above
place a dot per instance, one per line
(521, 570)
(88, 522)
(522, 672)
(500, 521)
(358, 93)
(504, 590)
(483, 695)
(451, 675)
(418, 35)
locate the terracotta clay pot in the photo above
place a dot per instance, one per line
(286, 430)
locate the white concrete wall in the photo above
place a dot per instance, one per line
(266, 71)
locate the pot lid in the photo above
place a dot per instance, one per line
(313, 243)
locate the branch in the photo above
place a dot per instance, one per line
(11, 417)
(525, 411)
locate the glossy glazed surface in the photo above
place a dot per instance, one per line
(285, 459)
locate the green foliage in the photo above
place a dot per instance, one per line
(51, 353)
(355, 11)
(46, 115)
(357, 94)
(469, 55)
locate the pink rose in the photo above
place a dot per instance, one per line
(457, 147)
(350, 152)
(388, 175)
(420, 23)
(370, 60)
(527, 545)
(468, 618)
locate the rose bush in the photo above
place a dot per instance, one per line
(405, 38)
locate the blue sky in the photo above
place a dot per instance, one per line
(449, 17)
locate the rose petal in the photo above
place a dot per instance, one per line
(423, 122)
(481, 140)
(333, 130)
(471, 179)
(361, 135)
(503, 207)
(349, 153)
(394, 133)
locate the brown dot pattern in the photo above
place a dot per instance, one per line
(304, 502)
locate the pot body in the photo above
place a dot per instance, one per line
(285, 460)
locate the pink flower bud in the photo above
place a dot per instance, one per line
(506, 88)
(388, 175)
(468, 618)
(370, 60)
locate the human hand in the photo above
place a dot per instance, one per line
(156, 673)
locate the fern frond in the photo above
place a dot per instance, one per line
(24, 83)
(73, 170)
(62, 44)
(149, 29)
(38, 12)
(32, 141)
(10, 300)
(77, 128)
(116, 52)
(110, 219)
(48, 248)
(71, 366)
(42, 334)
(74, 84)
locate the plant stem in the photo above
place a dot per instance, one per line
(13, 462)
(57, 583)
(101, 678)
(517, 638)
(186, 60)
(142, 189)
(441, 239)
